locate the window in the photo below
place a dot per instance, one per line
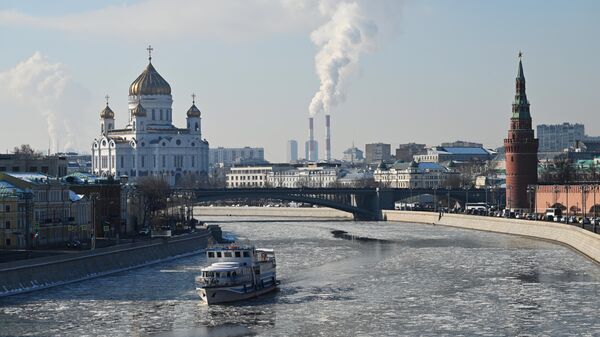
(227, 254)
(143, 161)
(238, 254)
(246, 254)
(7, 226)
(7, 208)
(211, 254)
(218, 254)
(153, 115)
(161, 114)
(122, 162)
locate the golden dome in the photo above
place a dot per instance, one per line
(149, 83)
(107, 113)
(138, 111)
(193, 111)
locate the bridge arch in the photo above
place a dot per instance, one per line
(358, 212)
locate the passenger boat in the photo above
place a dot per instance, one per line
(236, 273)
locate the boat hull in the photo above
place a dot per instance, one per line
(214, 295)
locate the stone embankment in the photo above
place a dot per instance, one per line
(586, 242)
(39, 273)
(294, 212)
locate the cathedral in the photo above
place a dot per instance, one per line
(149, 144)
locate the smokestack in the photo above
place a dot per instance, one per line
(311, 139)
(328, 138)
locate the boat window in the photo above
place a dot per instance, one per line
(227, 254)
(218, 254)
(211, 254)
(238, 254)
(246, 254)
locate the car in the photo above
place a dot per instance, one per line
(74, 244)
(144, 231)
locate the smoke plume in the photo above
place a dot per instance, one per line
(352, 29)
(38, 87)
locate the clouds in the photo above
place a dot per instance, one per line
(37, 87)
(166, 19)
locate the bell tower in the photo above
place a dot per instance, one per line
(108, 119)
(521, 148)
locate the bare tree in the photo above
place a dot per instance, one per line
(26, 150)
(154, 192)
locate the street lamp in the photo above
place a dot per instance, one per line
(530, 193)
(466, 188)
(448, 190)
(567, 187)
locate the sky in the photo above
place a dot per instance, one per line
(425, 71)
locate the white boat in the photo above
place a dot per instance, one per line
(236, 273)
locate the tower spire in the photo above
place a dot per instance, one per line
(521, 75)
(521, 104)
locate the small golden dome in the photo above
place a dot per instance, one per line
(193, 111)
(149, 83)
(138, 111)
(107, 113)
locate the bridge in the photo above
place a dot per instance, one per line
(363, 203)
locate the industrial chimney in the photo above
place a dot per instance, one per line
(328, 138)
(311, 139)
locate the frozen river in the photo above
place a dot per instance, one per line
(414, 280)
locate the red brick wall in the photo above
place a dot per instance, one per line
(579, 199)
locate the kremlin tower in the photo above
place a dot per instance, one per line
(521, 149)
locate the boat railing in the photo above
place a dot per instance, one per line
(232, 280)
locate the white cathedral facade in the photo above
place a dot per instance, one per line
(149, 144)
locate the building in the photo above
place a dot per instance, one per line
(15, 216)
(149, 144)
(356, 178)
(441, 154)
(558, 137)
(353, 155)
(292, 151)
(521, 149)
(461, 143)
(77, 162)
(237, 155)
(314, 155)
(311, 175)
(377, 152)
(406, 152)
(412, 175)
(57, 214)
(54, 166)
(249, 176)
(105, 195)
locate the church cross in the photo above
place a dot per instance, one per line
(106, 97)
(193, 98)
(150, 49)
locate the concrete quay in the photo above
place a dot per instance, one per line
(39, 273)
(581, 240)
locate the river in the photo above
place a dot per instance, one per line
(412, 280)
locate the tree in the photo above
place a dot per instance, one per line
(154, 192)
(26, 150)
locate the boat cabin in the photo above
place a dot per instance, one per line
(231, 253)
